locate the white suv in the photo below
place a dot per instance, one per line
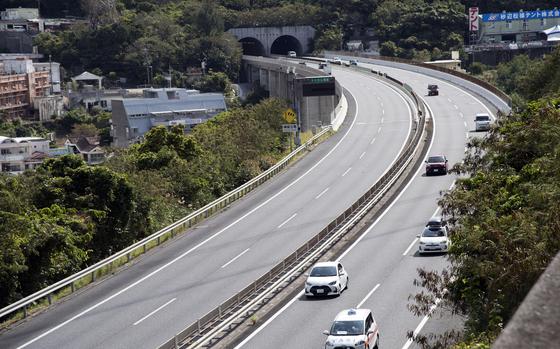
(326, 278)
(353, 329)
(482, 122)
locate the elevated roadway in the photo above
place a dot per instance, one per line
(383, 263)
(172, 286)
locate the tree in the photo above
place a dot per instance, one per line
(389, 49)
(330, 39)
(214, 82)
(504, 219)
(100, 12)
(209, 20)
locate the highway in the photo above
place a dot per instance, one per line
(382, 264)
(172, 286)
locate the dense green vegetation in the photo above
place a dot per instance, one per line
(66, 215)
(505, 214)
(523, 78)
(123, 39)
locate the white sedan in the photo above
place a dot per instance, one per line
(434, 240)
(326, 278)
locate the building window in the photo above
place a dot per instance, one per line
(509, 25)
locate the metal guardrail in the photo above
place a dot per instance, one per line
(501, 94)
(90, 274)
(200, 332)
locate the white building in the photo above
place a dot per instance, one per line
(19, 13)
(22, 153)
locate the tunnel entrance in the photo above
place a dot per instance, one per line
(286, 43)
(252, 47)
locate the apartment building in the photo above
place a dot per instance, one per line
(22, 82)
(18, 154)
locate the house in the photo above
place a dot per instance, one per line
(133, 117)
(18, 154)
(87, 147)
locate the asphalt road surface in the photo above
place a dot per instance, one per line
(163, 292)
(384, 263)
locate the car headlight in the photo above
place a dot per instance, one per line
(329, 343)
(308, 284)
(422, 243)
(360, 342)
(332, 283)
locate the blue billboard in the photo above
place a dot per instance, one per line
(516, 16)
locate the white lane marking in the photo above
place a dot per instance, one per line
(382, 120)
(296, 297)
(466, 135)
(372, 141)
(421, 324)
(445, 82)
(367, 296)
(289, 219)
(381, 104)
(346, 172)
(155, 311)
(378, 98)
(382, 112)
(449, 99)
(118, 293)
(465, 123)
(461, 115)
(267, 322)
(321, 194)
(236, 257)
(361, 156)
(455, 106)
(379, 130)
(410, 246)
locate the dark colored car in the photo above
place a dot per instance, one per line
(433, 90)
(436, 164)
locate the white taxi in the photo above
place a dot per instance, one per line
(353, 329)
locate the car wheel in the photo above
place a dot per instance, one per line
(347, 282)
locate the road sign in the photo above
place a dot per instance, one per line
(473, 19)
(289, 128)
(317, 86)
(290, 116)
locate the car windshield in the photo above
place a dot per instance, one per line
(347, 328)
(433, 233)
(482, 118)
(433, 159)
(323, 271)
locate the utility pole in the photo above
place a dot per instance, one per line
(170, 76)
(50, 74)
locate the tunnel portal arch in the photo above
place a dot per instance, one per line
(252, 47)
(286, 43)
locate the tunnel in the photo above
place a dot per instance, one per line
(252, 47)
(286, 43)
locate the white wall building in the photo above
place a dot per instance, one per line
(22, 153)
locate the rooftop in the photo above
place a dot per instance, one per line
(352, 314)
(21, 139)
